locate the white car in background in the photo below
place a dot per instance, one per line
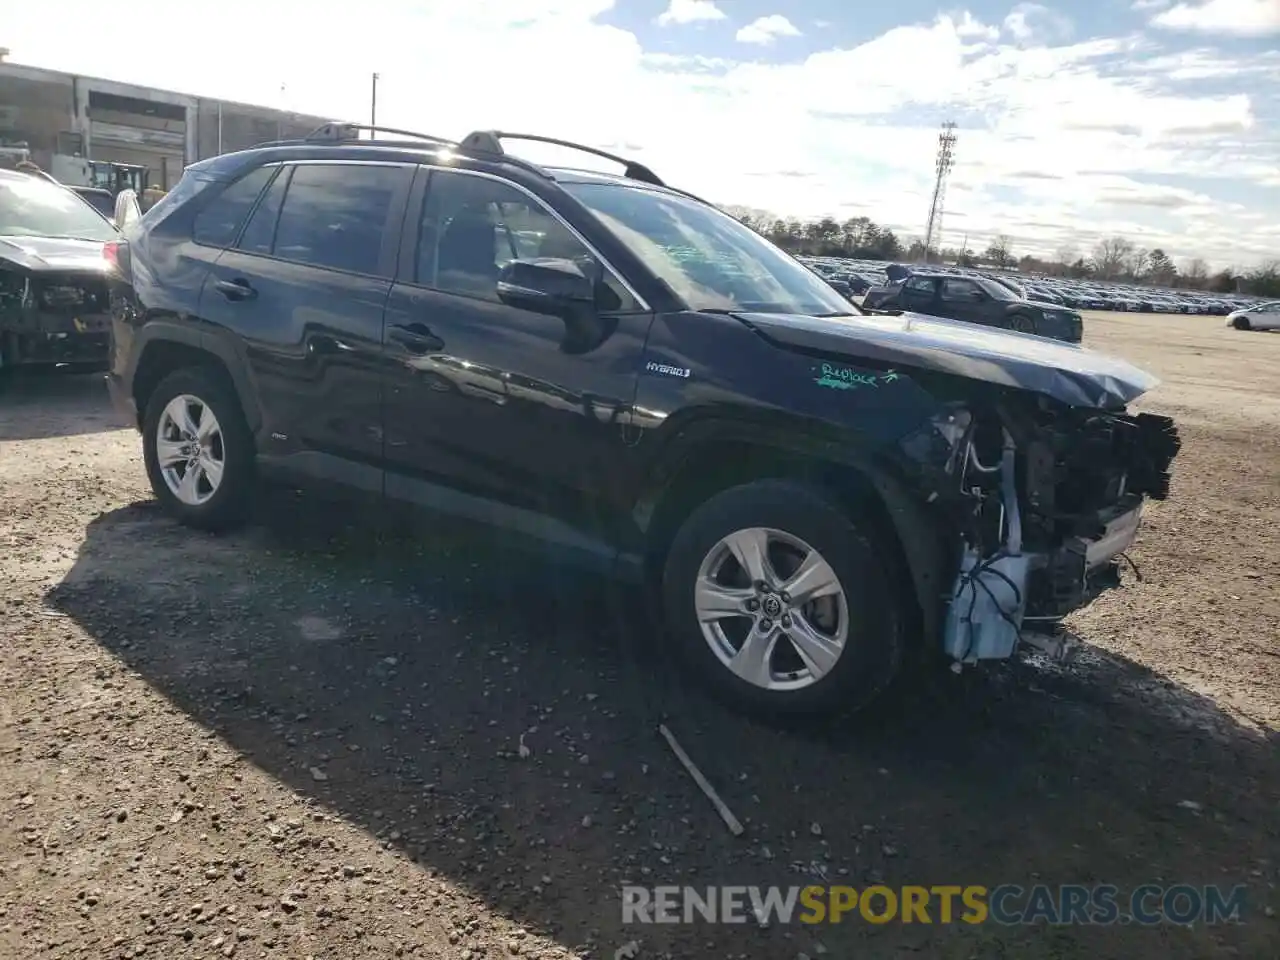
(1262, 316)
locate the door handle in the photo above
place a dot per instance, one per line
(417, 337)
(235, 289)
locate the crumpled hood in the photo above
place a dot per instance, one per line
(39, 254)
(1064, 371)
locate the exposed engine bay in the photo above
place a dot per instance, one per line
(53, 316)
(1045, 498)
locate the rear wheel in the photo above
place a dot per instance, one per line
(198, 449)
(777, 600)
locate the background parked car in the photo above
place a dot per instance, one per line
(977, 299)
(1265, 316)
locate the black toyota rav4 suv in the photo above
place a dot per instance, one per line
(616, 370)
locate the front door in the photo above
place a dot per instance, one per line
(962, 299)
(919, 295)
(493, 400)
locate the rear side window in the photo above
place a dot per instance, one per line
(260, 232)
(219, 222)
(335, 215)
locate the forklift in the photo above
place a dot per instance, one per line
(115, 177)
(75, 171)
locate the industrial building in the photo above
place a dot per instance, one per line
(67, 121)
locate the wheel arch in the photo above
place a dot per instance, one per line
(716, 456)
(166, 347)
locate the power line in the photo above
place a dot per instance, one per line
(943, 164)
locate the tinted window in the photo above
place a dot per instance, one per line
(997, 291)
(472, 226)
(921, 285)
(959, 290)
(261, 228)
(335, 216)
(219, 222)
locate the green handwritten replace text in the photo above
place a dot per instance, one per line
(837, 377)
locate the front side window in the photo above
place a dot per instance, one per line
(921, 285)
(708, 259)
(33, 207)
(962, 291)
(220, 220)
(999, 291)
(335, 215)
(473, 226)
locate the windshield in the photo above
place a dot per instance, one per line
(998, 290)
(30, 207)
(708, 259)
(100, 200)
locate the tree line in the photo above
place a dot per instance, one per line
(1115, 259)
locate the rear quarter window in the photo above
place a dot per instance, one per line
(218, 223)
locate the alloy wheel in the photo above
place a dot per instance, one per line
(190, 450)
(772, 609)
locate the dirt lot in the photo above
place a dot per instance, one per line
(304, 740)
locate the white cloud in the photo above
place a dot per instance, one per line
(690, 11)
(1100, 126)
(764, 30)
(1036, 23)
(970, 28)
(1146, 6)
(1241, 18)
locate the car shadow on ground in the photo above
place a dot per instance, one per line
(394, 683)
(39, 404)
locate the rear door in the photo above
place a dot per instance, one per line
(302, 291)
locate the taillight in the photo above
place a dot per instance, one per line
(111, 253)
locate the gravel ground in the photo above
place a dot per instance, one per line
(305, 739)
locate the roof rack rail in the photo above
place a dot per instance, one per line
(339, 132)
(490, 141)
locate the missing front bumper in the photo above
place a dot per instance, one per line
(1004, 600)
(29, 349)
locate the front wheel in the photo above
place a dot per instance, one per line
(1241, 323)
(778, 601)
(1022, 323)
(198, 450)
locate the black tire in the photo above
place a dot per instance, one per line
(1242, 323)
(1022, 323)
(8, 360)
(230, 503)
(874, 648)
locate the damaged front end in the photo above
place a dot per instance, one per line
(1044, 498)
(53, 317)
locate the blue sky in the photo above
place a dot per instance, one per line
(1155, 119)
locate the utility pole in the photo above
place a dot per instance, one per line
(373, 105)
(945, 161)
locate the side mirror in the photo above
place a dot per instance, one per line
(546, 285)
(842, 287)
(127, 210)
